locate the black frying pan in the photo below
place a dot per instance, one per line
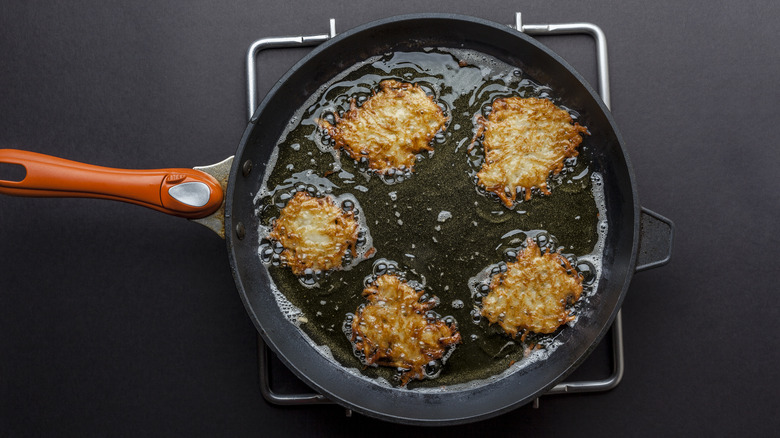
(451, 405)
(630, 244)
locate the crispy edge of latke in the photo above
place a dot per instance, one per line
(570, 151)
(532, 250)
(290, 256)
(380, 165)
(371, 352)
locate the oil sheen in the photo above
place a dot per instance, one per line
(434, 225)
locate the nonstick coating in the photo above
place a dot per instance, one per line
(460, 403)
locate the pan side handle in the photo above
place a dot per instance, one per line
(186, 193)
(656, 234)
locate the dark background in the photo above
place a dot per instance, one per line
(117, 320)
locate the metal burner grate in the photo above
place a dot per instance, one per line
(592, 30)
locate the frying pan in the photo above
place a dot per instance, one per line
(221, 197)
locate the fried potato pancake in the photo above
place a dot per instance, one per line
(525, 140)
(393, 330)
(390, 128)
(315, 233)
(533, 293)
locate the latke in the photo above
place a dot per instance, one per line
(390, 128)
(315, 233)
(533, 292)
(394, 330)
(525, 139)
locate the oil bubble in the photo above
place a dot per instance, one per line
(266, 254)
(432, 369)
(476, 316)
(587, 271)
(450, 321)
(443, 216)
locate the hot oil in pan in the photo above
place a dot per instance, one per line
(435, 224)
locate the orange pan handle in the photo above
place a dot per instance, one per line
(186, 193)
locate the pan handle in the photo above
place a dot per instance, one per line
(186, 193)
(656, 234)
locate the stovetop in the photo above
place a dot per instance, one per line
(117, 320)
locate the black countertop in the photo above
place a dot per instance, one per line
(118, 320)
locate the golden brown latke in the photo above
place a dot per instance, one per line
(390, 128)
(525, 139)
(392, 330)
(315, 233)
(532, 294)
